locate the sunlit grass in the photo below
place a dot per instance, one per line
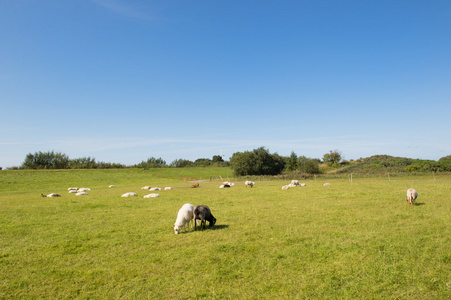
(348, 240)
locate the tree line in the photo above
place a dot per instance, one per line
(256, 162)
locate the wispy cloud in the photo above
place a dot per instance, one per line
(126, 10)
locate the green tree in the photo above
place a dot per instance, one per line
(257, 162)
(308, 165)
(181, 163)
(333, 157)
(46, 160)
(292, 162)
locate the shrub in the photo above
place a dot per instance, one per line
(257, 162)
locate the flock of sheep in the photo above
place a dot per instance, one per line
(189, 213)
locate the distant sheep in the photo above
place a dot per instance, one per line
(411, 196)
(112, 186)
(130, 194)
(168, 188)
(195, 186)
(285, 187)
(185, 215)
(84, 189)
(203, 213)
(326, 184)
(51, 195)
(146, 187)
(229, 183)
(81, 193)
(295, 182)
(249, 183)
(155, 189)
(303, 184)
(151, 196)
(72, 189)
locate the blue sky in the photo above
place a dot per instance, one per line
(123, 81)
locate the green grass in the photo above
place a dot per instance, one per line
(355, 240)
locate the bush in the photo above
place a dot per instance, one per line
(257, 162)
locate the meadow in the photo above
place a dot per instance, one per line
(358, 240)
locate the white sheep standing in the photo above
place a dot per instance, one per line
(185, 215)
(249, 183)
(295, 182)
(411, 196)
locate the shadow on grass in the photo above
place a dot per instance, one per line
(216, 227)
(418, 204)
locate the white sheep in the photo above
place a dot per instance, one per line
(112, 186)
(303, 184)
(411, 196)
(292, 185)
(155, 189)
(51, 195)
(84, 189)
(295, 182)
(146, 187)
(168, 188)
(249, 183)
(81, 193)
(326, 184)
(285, 187)
(151, 196)
(73, 191)
(130, 194)
(185, 215)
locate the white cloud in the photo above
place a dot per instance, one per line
(124, 9)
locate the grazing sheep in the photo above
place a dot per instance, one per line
(411, 196)
(185, 215)
(51, 195)
(130, 194)
(203, 213)
(326, 184)
(168, 188)
(155, 189)
(285, 187)
(73, 191)
(295, 182)
(303, 184)
(112, 186)
(228, 183)
(84, 189)
(249, 183)
(292, 185)
(195, 186)
(81, 193)
(146, 187)
(151, 196)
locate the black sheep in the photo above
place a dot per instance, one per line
(203, 213)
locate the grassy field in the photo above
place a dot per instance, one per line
(356, 240)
